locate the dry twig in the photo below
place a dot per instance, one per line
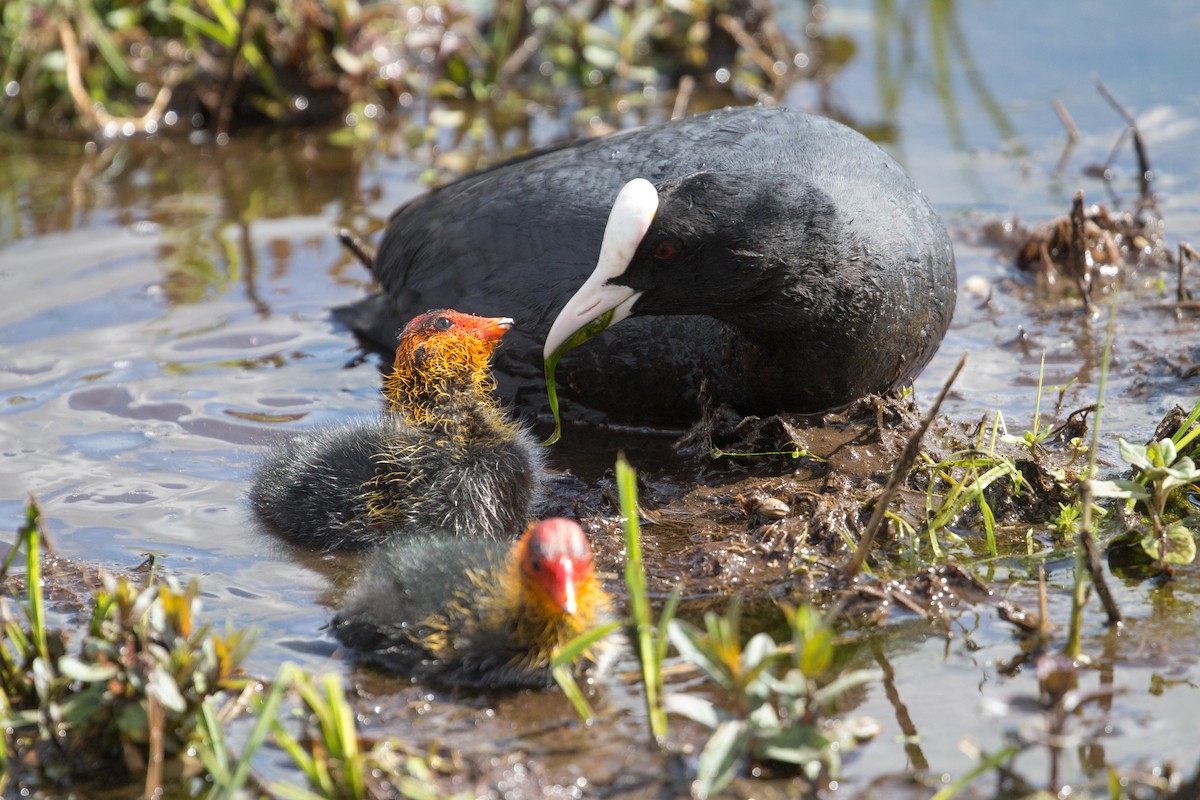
(100, 119)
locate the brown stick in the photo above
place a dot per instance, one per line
(363, 251)
(1145, 175)
(1064, 117)
(1095, 567)
(1079, 265)
(1186, 253)
(683, 96)
(99, 118)
(900, 471)
(155, 721)
(745, 41)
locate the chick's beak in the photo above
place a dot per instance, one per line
(562, 585)
(599, 304)
(492, 328)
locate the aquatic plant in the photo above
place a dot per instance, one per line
(1160, 471)
(118, 69)
(129, 696)
(768, 714)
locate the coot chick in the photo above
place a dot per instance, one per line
(476, 613)
(791, 266)
(444, 456)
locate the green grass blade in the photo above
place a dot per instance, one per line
(266, 716)
(639, 603)
(566, 682)
(575, 648)
(30, 537)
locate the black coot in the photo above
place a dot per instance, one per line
(791, 266)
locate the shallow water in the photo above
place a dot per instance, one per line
(165, 314)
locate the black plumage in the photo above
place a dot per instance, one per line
(444, 456)
(806, 268)
(475, 613)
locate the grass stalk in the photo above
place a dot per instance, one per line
(267, 711)
(561, 663)
(900, 470)
(30, 538)
(649, 650)
(1073, 648)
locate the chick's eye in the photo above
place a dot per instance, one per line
(664, 251)
(442, 324)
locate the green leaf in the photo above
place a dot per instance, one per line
(722, 756)
(697, 709)
(82, 707)
(693, 647)
(760, 648)
(134, 722)
(1135, 455)
(1165, 450)
(1123, 489)
(76, 670)
(764, 721)
(566, 682)
(843, 682)
(205, 26)
(797, 744)
(601, 57)
(1180, 546)
(162, 685)
(573, 649)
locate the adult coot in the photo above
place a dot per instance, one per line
(791, 266)
(444, 456)
(476, 613)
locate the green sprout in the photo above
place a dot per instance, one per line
(1159, 470)
(780, 697)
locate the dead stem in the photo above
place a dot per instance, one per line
(683, 96)
(1064, 117)
(1186, 253)
(744, 40)
(100, 119)
(1079, 253)
(155, 721)
(1145, 175)
(361, 250)
(1095, 568)
(900, 471)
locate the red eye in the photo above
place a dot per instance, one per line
(664, 251)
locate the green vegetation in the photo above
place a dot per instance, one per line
(776, 716)
(143, 685)
(1160, 473)
(651, 638)
(123, 701)
(114, 68)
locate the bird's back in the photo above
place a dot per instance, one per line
(521, 237)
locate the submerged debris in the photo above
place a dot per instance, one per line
(1092, 247)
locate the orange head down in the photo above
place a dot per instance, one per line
(558, 584)
(442, 353)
